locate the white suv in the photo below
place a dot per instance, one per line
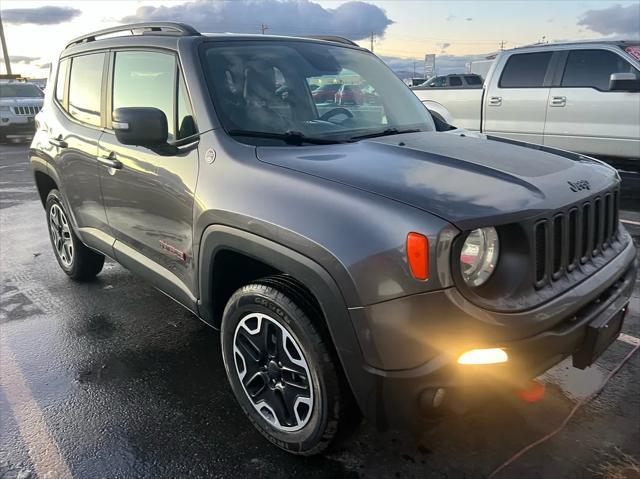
(19, 104)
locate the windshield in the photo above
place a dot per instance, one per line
(307, 90)
(21, 90)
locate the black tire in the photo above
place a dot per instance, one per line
(292, 312)
(83, 264)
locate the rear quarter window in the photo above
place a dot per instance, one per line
(525, 70)
(473, 80)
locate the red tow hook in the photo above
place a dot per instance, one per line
(532, 392)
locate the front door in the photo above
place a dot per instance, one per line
(149, 199)
(584, 116)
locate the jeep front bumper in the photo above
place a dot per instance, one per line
(412, 344)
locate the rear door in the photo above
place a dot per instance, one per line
(515, 104)
(74, 126)
(149, 199)
(584, 116)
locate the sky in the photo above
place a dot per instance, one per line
(457, 31)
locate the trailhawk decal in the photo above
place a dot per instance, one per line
(173, 251)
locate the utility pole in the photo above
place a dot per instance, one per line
(5, 52)
(263, 27)
(502, 45)
(414, 68)
(371, 42)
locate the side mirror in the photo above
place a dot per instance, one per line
(140, 126)
(624, 82)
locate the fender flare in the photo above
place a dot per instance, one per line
(216, 238)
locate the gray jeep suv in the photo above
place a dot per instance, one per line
(358, 259)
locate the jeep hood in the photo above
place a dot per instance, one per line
(465, 180)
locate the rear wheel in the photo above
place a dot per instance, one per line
(75, 259)
(280, 369)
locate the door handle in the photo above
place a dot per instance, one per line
(495, 101)
(558, 101)
(59, 142)
(110, 161)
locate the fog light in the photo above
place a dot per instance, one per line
(484, 356)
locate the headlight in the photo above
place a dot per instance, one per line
(5, 108)
(479, 256)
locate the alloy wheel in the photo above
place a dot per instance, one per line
(61, 235)
(273, 371)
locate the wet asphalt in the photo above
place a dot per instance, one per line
(112, 379)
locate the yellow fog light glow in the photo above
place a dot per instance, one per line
(484, 356)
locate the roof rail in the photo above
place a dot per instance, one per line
(168, 28)
(332, 38)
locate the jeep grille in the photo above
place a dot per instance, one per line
(564, 240)
(26, 110)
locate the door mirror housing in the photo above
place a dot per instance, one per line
(140, 126)
(624, 82)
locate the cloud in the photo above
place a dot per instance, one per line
(614, 20)
(469, 19)
(48, 15)
(450, 17)
(355, 20)
(22, 59)
(443, 47)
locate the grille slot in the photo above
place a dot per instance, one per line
(597, 226)
(607, 220)
(557, 244)
(586, 227)
(568, 238)
(616, 208)
(541, 251)
(573, 238)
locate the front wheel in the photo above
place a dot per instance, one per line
(280, 369)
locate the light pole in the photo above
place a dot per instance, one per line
(5, 52)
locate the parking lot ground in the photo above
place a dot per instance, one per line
(113, 379)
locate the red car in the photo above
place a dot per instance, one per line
(326, 93)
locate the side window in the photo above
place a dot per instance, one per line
(85, 88)
(455, 81)
(146, 79)
(438, 82)
(526, 70)
(473, 80)
(61, 80)
(592, 68)
(186, 123)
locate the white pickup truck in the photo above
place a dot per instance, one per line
(582, 97)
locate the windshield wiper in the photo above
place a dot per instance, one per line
(387, 132)
(289, 137)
